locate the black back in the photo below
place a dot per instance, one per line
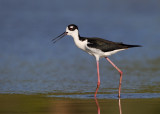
(106, 45)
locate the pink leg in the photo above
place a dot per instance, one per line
(120, 81)
(98, 83)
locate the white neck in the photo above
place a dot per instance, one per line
(76, 39)
(74, 34)
(80, 44)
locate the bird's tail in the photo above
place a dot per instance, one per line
(131, 46)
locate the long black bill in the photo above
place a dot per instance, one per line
(59, 37)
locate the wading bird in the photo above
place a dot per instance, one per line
(97, 47)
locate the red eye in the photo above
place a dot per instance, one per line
(71, 29)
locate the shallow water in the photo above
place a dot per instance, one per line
(38, 104)
(31, 64)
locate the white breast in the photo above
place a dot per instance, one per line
(80, 44)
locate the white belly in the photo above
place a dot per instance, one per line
(98, 52)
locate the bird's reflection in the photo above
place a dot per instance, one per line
(99, 110)
(98, 107)
(120, 109)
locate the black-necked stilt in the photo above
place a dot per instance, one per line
(97, 47)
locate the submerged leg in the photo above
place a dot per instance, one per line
(98, 83)
(120, 81)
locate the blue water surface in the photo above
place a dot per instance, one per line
(31, 63)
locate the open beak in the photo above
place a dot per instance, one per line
(59, 37)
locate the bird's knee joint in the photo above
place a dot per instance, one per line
(98, 84)
(120, 73)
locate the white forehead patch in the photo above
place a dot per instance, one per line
(71, 26)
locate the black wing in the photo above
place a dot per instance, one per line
(106, 45)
